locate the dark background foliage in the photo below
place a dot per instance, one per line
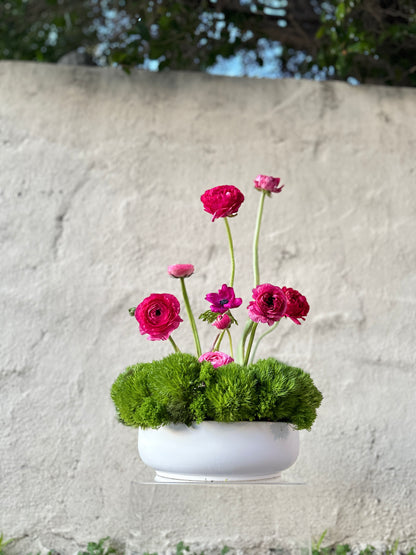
(371, 41)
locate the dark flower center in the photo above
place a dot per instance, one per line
(223, 302)
(268, 299)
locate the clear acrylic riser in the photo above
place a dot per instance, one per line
(249, 518)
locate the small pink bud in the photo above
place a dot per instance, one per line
(181, 270)
(222, 322)
(268, 183)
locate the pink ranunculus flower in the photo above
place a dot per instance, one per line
(222, 201)
(222, 322)
(181, 270)
(216, 358)
(297, 305)
(224, 300)
(158, 316)
(269, 304)
(268, 183)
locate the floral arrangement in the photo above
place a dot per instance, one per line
(214, 384)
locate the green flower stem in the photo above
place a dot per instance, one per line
(230, 242)
(218, 343)
(272, 328)
(231, 342)
(175, 347)
(256, 240)
(240, 350)
(215, 342)
(191, 318)
(250, 343)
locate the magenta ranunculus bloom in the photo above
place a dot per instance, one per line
(223, 300)
(181, 270)
(268, 183)
(269, 304)
(222, 322)
(222, 201)
(216, 358)
(297, 305)
(158, 316)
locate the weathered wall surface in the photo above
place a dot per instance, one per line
(100, 180)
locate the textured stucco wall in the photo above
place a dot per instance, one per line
(100, 180)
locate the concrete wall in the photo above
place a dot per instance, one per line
(100, 180)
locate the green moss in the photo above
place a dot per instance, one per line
(285, 393)
(131, 395)
(179, 389)
(173, 385)
(232, 394)
(156, 393)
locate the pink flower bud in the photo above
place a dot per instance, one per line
(181, 270)
(222, 322)
(268, 183)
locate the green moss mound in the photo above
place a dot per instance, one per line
(179, 389)
(285, 394)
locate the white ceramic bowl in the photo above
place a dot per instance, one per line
(219, 451)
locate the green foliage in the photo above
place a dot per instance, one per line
(232, 394)
(316, 546)
(103, 547)
(208, 316)
(174, 386)
(179, 389)
(346, 549)
(285, 394)
(3, 543)
(369, 40)
(158, 392)
(180, 548)
(394, 548)
(45, 30)
(134, 403)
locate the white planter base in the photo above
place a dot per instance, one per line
(166, 477)
(219, 451)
